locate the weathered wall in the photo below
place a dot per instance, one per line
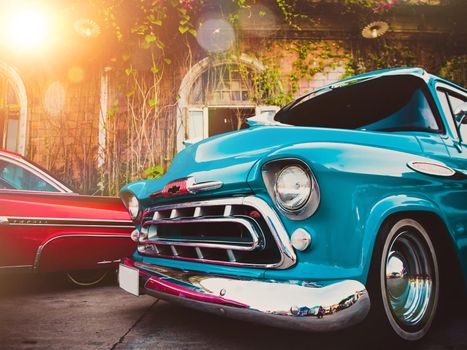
(63, 127)
(63, 133)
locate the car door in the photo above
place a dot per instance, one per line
(456, 142)
(17, 246)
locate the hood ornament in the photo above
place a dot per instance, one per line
(185, 186)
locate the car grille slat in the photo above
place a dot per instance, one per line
(222, 231)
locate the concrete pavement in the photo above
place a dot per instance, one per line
(44, 312)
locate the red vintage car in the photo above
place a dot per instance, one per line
(45, 227)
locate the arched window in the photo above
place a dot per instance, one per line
(216, 97)
(9, 115)
(13, 106)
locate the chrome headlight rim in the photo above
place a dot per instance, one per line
(280, 202)
(132, 204)
(270, 170)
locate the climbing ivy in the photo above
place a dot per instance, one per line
(385, 54)
(275, 86)
(455, 69)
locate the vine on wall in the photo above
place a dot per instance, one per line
(277, 85)
(156, 47)
(384, 54)
(455, 69)
(140, 126)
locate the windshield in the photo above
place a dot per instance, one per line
(391, 103)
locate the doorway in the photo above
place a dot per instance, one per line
(216, 96)
(222, 120)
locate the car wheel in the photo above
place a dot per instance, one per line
(86, 278)
(404, 279)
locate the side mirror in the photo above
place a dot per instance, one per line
(460, 113)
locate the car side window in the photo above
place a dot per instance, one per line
(443, 99)
(455, 102)
(5, 185)
(16, 177)
(449, 102)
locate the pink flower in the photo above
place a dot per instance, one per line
(384, 5)
(187, 4)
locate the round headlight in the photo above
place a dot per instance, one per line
(293, 188)
(133, 206)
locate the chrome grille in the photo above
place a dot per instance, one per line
(242, 231)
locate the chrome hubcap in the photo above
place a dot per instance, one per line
(409, 279)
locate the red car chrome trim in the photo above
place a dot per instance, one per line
(15, 267)
(64, 222)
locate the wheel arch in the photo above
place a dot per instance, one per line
(429, 215)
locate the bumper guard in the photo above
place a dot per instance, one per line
(306, 306)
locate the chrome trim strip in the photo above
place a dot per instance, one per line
(4, 220)
(43, 245)
(298, 305)
(216, 262)
(288, 257)
(67, 222)
(205, 203)
(287, 253)
(16, 268)
(255, 236)
(204, 186)
(105, 262)
(414, 165)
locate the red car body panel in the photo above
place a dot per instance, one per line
(56, 231)
(83, 253)
(59, 231)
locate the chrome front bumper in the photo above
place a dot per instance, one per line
(301, 306)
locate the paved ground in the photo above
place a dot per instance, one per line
(43, 312)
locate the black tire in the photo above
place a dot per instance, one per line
(87, 278)
(403, 282)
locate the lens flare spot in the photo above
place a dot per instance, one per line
(215, 35)
(54, 98)
(75, 74)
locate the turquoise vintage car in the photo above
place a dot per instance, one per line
(354, 192)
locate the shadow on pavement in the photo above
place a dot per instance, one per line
(32, 283)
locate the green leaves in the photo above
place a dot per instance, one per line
(154, 172)
(153, 20)
(152, 102)
(193, 32)
(150, 38)
(183, 29)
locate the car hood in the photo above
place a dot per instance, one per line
(230, 157)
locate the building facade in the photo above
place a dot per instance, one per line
(96, 123)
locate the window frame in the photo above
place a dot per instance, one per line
(450, 90)
(36, 172)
